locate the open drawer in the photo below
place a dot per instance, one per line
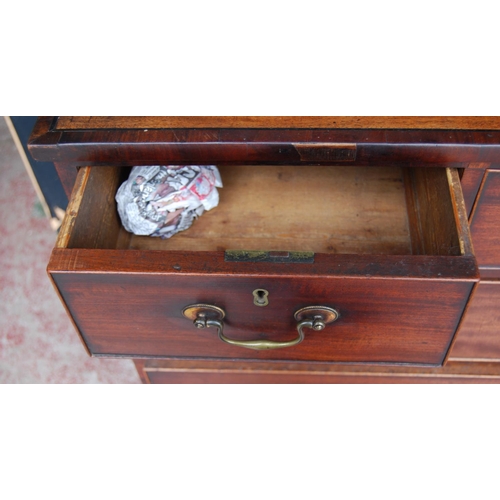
(387, 249)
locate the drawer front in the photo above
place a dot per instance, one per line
(381, 320)
(389, 249)
(485, 224)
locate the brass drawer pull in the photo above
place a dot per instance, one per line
(314, 317)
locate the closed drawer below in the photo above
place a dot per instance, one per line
(228, 372)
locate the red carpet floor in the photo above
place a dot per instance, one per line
(38, 343)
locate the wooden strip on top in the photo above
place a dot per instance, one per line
(356, 122)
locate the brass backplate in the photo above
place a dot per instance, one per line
(326, 153)
(207, 311)
(326, 314)
(265, 256)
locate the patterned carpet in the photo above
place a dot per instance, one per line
(38, 343)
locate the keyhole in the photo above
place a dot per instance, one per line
(260, 297)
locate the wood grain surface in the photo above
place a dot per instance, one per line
(479, 334)
(107, 280)
(485, 223)
(92, 220)
(227, 372)
(291, 208)
(363, 122)
(128, 301)
(457, 146)
(382, 320)
(391, 267)
(67, 175)
(335, 210)
(471, 180)
(432, 214)
(140, 367)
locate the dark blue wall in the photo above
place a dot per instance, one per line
(45, 172)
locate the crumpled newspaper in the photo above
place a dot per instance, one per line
(164, 200)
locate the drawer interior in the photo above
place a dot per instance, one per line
(321, 209)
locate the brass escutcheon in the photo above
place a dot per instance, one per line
(260, 297)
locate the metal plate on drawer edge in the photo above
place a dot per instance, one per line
(264, 256)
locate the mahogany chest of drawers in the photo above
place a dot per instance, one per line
(344, 249)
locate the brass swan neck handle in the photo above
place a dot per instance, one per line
(313, 317)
